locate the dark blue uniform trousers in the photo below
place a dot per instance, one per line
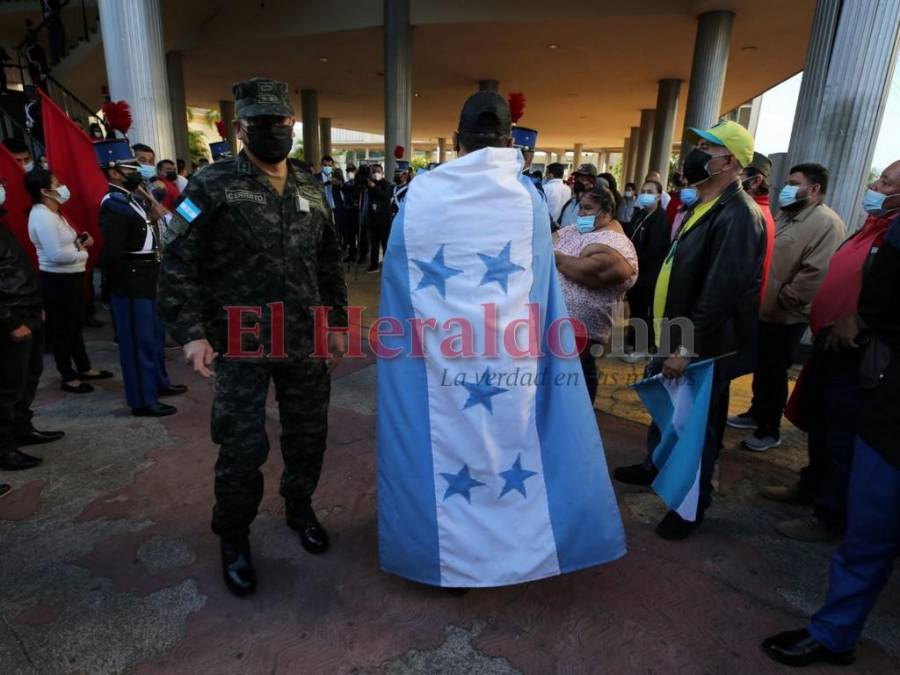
(142, 342)
(862, 565)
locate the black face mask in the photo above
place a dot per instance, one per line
(695, 170)
(159, 194)
(270, 143)
(171, 176)
(132, 181)
(578, 187)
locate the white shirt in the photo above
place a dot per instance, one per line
(558, 193)
(181, 182)
(54, 240)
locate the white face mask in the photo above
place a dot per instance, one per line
(377, 175)
(62, 194)
(2, 195)
(29, 166)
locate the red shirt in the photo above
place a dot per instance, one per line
(838, 295)
(674, 204)
(172, 194)
(763, 201)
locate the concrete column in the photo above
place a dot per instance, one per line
(309, 111)
(645, 140)
(664, 127)
(711, 46)
(488, 85)
(576, 155)
(397, 81)
(136, 70)
(626, 148)
(226, 112)
(442, 150)
(175, 79)
(846, 81)
(632, 155)
(325, 135)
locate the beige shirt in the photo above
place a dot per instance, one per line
(804, 243)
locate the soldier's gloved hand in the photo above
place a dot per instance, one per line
(337, 347)
(200, 355)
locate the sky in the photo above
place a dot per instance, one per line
(777, 116)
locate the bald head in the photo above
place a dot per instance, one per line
(653, 176)
(888, 183)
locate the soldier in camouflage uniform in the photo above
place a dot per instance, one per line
(253, 232)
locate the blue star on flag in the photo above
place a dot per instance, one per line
(460, 483)
(481, 391)
(435, 272)
(499, 267)
(515, 478)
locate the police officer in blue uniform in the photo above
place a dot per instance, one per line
(130, 263)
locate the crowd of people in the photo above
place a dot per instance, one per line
(709, 249)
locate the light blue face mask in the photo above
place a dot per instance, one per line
(327, 170)
(148, 171)
(585, 224)
(873, 203)
(788, 195)
(646, 200)
(689, 196)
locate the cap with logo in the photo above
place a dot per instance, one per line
(586, 170)
(730, 134)
(114, 153)
(524, 138)
(261, 96)
(485, 112)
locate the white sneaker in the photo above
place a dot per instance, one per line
(757, 444)
(632, 357)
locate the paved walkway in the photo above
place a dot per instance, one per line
(107, 564)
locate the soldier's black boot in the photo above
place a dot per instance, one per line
(237, 566)
(302, 518)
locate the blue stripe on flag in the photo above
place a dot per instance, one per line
(584, 514)
(188, 210)
(407, 520)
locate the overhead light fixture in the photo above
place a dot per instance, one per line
(323, 59)
(416, 94)
(749, 48)
(553, 45)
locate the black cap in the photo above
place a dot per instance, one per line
(762, 164)
(485, 112)
(587, 170)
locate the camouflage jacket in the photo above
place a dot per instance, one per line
(233, 242)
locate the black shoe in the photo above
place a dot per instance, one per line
(456, 592)
(313, 536)
(799, 648)
(18, 461)
(91, 322)
(35, 437)
(675, 528)
(100, 375)
(173, 390)
(237, 566)
(81, 388)
(636, 474)
(158, 410)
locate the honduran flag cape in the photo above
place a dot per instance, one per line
(490, 466)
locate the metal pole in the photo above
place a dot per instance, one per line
(397, 80)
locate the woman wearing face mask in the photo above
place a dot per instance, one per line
(597, 263)
(62, 256)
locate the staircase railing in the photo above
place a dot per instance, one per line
(11, 128)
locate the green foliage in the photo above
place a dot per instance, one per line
(420, 162)
(213, 116)
(297, 152)
(198, 146)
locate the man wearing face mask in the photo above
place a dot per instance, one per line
(253, 234)
(711, 276)
(20, 153)
(625, 212)
(374, 214)
(831, 390)
(327, 168)
(807, 235)
(167, 173)
(130, 264)
(755, 180)
(585, 179)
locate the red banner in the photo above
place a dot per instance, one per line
(73, 161)
(18, 203)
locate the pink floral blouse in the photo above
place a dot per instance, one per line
(597, 309)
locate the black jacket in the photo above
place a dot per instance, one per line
(378, 210)
(20, 289)
(715, 283)
(650, 234)
(125, 231)
(879, 309)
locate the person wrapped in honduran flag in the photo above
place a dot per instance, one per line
(491, 470)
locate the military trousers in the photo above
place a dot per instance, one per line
(238, 421)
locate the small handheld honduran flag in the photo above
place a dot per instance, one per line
(679, 408)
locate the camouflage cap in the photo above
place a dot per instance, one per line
(261, 96)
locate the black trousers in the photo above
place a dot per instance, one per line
(777, 348)
(21, 364)
(64, 302)
(640, 302)
(378, 232)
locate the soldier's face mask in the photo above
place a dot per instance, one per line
(270, 142)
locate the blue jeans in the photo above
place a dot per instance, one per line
(862, 565)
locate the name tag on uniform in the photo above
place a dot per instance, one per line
(302, 204)
(235, 196)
